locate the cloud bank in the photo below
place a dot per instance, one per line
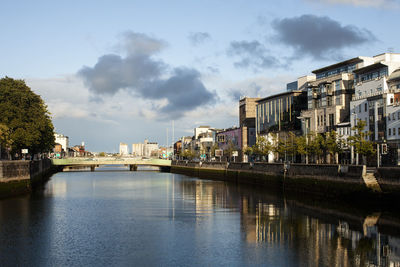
(144, 77)
(317, 36)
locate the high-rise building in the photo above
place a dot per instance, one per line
(123, 149)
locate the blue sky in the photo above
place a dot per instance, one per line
(121, 71)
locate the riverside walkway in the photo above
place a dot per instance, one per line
(95, 162)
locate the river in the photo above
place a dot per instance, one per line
(114, 217)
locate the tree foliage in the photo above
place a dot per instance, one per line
(25, 115)
(359, 140)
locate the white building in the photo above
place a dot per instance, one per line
(372, 96)
(393, 119)
(123, 149)
(199, 130)
(137, 150)
(62, 140)
(147, 149)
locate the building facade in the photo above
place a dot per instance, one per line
(329, 96)
(123, 149)
(62, 140)
(230, 141)
(247, 123)
(373, 102)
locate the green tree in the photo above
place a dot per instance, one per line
(302, 146)
(334, 145)
(26, 116)
(262, 147)
(316, 146)
(359, 141)
(5, 139)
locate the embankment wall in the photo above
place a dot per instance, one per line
(19, 176)
(324, 180)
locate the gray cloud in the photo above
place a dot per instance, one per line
(197, 38)
(183, 90)
(252, 55)
(143, 76)
(320, 37)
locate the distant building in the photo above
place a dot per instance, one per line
(62, 140)
(146, 149)
(230, 141)
(150, 148)
(199, 130)
(123, 149)
(137, 149)
(247, 123)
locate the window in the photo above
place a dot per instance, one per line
(389, 116)
(393, 116)
(391, 100)
(318, 120)
(394, 131)
(359, 108)
(365, 107)
(338, 100)
(390, 132)
(337, 85)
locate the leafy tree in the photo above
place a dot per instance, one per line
(262, 147)
(26, 116)
(302, 146)
(359, 140)
(5, 139)
(334, 145)
(316, 145)
(102, 154)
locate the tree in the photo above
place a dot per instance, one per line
(359, 141)
(334, 145)
(262, 147)
(5, 139)
(302, 146)
(26, 116)
(316, 145)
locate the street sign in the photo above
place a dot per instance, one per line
(24, 151)
(218, 152)
(235, 153)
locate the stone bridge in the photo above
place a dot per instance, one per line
(96, 162)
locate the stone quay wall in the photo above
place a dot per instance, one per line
(19, 176)
(316, 179)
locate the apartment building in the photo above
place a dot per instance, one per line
(329, 95)
(393, 120)
(373, 102)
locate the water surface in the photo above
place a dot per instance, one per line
(114, 217)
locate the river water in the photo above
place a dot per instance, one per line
(113, 217)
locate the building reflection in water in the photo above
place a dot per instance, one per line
(315, 241)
